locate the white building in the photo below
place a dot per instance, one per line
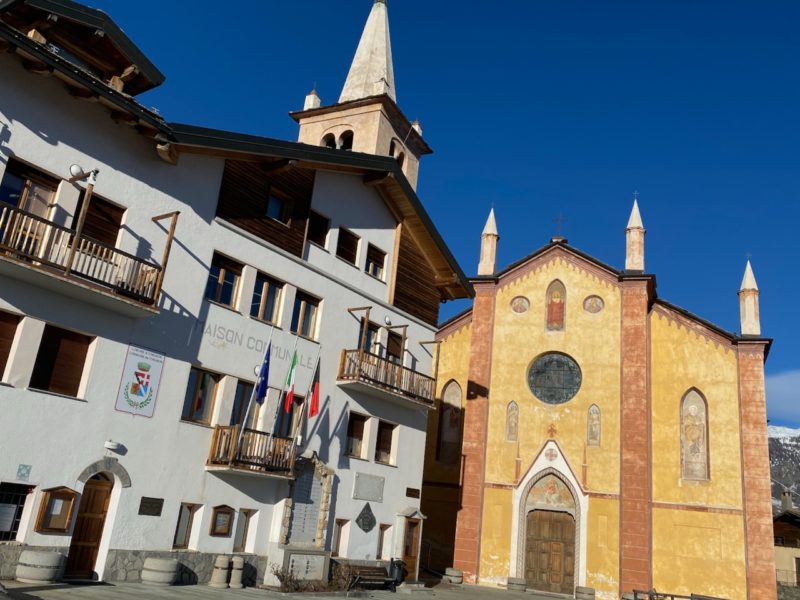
(131, 333)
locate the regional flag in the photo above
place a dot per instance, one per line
(263, 378)
(287, 406)
(313, 409)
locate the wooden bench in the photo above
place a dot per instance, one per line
(372, 576)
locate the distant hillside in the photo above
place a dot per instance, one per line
(784, 459)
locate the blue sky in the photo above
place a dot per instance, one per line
(543, 107)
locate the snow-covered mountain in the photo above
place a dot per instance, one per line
(784, 459)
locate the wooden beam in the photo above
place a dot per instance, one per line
(37, 66)
(82, 93)
(37, 36)
(124, 118)
(129, 73)
(168, 153)
(378, 178)
(278, 166)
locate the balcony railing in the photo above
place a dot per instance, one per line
(47, 246)
(359, 365)
(257, 451)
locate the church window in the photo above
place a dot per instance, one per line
(694, 437)
(512, 422)
(554, 378)
(450, 418)
(556, 306)
(346, 140)
(593, 426)
(329, 141)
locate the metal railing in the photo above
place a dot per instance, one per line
(257, 451)
(46, 245)
(359, 365)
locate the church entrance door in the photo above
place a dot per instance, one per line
(550, 551)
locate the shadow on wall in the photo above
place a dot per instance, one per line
(5, 137)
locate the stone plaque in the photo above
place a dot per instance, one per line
(366, 519)
(307, 567)
(24, 472)
(151, 507)
(368, 487)
(554, 378)
(412, 493)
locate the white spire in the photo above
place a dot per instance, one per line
(635, 220)
(372, 72)
(491, 225)
(749, 279)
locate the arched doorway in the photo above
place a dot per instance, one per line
(550, 536)
(88, 530)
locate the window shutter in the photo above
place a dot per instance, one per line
(8, 326)
(60, 361)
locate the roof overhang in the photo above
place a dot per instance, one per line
(381, 172)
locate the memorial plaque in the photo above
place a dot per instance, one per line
(412, 493)
(366, 519)
(151, 507)
(307, 567)
(368, 487)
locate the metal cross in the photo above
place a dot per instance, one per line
(552, 430)
(635, 196)
(559, 221)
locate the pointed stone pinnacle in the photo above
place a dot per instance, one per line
(635, 220)
(491, 225)
(372, 71)
(749, 279)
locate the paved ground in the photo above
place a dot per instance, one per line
(130, 591)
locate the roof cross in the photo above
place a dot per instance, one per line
(636, 196)
(559, 221)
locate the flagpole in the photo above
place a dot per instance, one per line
(286, 379)
(309, 392)
(253, 393)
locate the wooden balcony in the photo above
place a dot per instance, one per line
(376, 375)
(257, 453)
(42, 245)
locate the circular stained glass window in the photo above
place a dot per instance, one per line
(554, 378)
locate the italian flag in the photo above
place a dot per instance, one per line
(287, 405)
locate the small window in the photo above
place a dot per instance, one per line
(12, 500)
(28, 189)
(103, 220)
(347, 247)
(223, 280)
(266, 299)
(376, 259)
(221, 521)
(60, 361)
(242, 529)
(241, 402)
(329, 141)
(8, 328)
(355, 435)
(339, 533)
(318, 227)
(55, 510)
(394, 347)
(778, 541)
(304, 315)
(346, 141)
(370, 340)
(384, 551)
(184, 529)
(383, 447)
(200, 393)
(277, 208)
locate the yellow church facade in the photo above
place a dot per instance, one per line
(592, 434)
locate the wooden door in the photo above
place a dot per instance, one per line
(550, 551)
(88, 528)
(411, 548)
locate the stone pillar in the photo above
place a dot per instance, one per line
(759, 549)
(635, 476)
(219, 576)
(237, 569)
(476, 415)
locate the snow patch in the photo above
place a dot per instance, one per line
(782, 432)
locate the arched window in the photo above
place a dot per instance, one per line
(393, 149)
(556, 306)
(448, 449)
(512, 422)
(346, 140)
(694, 436)
(593, 426)
(329, 141)
(401, 159)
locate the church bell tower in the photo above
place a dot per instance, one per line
(367, 118)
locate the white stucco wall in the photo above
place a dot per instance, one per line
(165, 457)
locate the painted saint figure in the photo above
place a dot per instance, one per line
(593, 427)
(512, 422)
(694, 447)
(556, 306)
